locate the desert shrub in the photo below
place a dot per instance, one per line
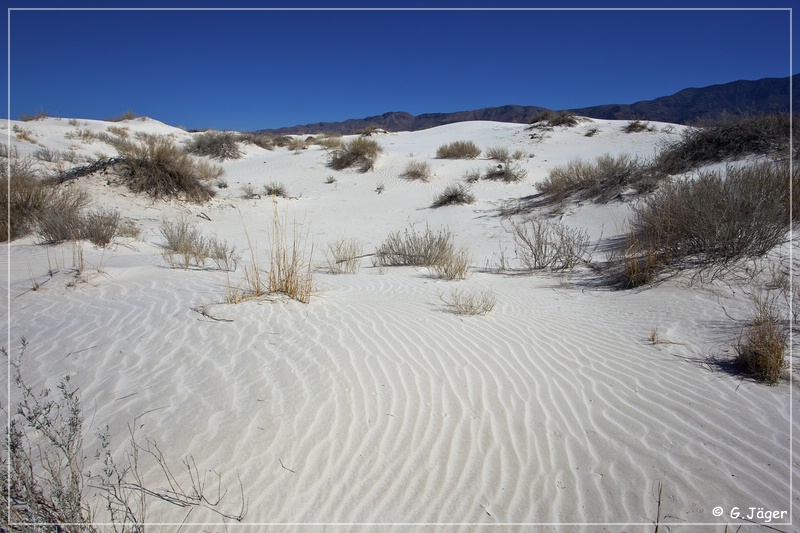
(499, 153)
(458, 150)
(472, 176)
(360, 152)
(542, 244)
(47, 155)
(262, 140)
(330, 180)
(602, 180)
(717, 218)
(249, 192)
(219, 145)
(470, 303)
(591, 132)
(411, 248)
(452, 264)
(455, 193)
(127, 115)
(554, 118)
(296, 144)
(100, 226)
(46, 484)
(729, 139)
(222, 254)
(129, 228)
(39, 115)
(329, 142)
(509, 172)
(519, 154)
(32, 202)
(760, 348)
(435, 250)
(417, 170)
(183, 239)
(637, 126)
(275, 189)
(159, 168)
(343, 256)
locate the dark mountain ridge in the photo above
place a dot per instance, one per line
(767, 95)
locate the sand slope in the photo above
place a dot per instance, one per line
(376, 404)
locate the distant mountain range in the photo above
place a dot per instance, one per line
(686, 106)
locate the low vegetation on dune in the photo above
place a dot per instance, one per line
(360, 152)
(549, 119)
(458, 150)
(454, 194)
(219, 145)
(731, 138)
(436, 250)
(602, 180)
(711, 220)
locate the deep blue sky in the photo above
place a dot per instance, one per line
(248, 70)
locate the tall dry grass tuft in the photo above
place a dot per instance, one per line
(290, 261)
(760, 349)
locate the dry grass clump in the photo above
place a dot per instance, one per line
(343, 256)
(328, 141)
(275, 189)
(458, 150)
(731, 138)
(417, 170)
(359, 152)
(290, 262)
(430, 249)
(262, 140)
(637, 126)
(554, 118)
(127, 115)
(499, 153)
(159, 168)
(31, 201)
(39, 115)
(461, 302)
(604, 179)
(183, 239)
(710, 221)
(455, 193)
(760, 349)
(100, 226)
(219, 145)
(545, 245)
(509, 172)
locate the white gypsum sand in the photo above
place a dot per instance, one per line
(374, 403)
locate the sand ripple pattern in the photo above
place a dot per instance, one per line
(373, 404)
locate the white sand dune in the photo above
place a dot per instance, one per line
(376, 404)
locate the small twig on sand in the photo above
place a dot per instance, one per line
(284, 466)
